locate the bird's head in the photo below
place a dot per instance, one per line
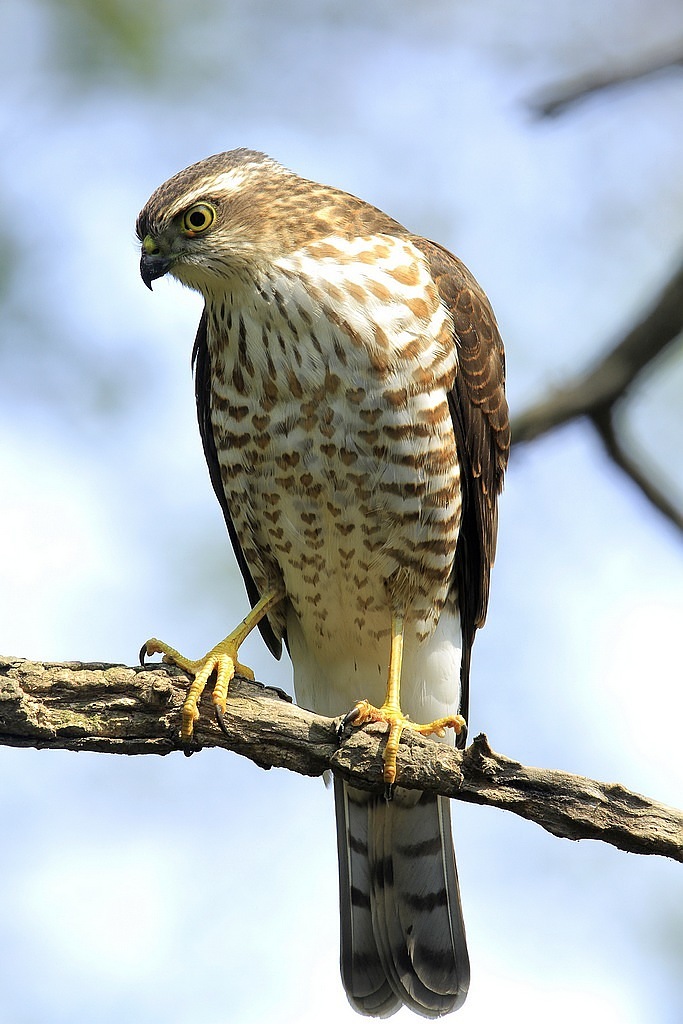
(224, 219)
(218, 219)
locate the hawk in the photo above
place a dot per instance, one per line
(350, 386)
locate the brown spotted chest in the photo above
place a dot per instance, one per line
(329, 409)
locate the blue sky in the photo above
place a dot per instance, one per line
(203, 890)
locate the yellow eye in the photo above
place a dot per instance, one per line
(198, 218)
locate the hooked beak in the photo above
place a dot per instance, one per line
(152, 266)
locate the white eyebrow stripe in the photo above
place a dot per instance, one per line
(227, 182)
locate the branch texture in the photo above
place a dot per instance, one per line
(120, 710)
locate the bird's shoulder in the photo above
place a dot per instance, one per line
(479, 389)
(479, 413)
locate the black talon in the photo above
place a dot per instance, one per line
(192, 747)
(349, 718)
(143, 653)
(220, 718)
(341, 727)
(389, 791)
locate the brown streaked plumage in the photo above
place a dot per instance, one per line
(349, 379)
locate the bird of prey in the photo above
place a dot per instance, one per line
(350, 386)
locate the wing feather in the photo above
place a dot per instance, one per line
(202, 385)
(479, 413)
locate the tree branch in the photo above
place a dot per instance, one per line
(604, 424)
(558, 99)
(120, 710)
(596, 393)
(608, 380)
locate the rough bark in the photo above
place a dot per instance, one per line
(121, 710)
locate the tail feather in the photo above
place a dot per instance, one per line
(403, 937)
(363, 972)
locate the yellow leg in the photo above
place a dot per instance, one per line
(391, 713)
(221, 659)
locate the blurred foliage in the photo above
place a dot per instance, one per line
(96, 40)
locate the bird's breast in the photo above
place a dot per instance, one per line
(336, 447)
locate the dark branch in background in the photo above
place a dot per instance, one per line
(609, 380)
(558, 100)
(600, 392)
(604, 423)
(120, 710)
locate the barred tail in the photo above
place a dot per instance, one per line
(402, 932)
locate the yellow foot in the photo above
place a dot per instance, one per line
(364, 712)
(221, 659)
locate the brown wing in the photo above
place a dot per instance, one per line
(482, 432)
(202, 387)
